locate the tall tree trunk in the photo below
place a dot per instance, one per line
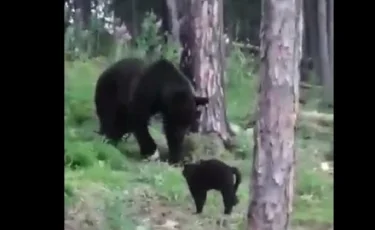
(330, 35)
(324, 53)
(187, 41)
(223, 57)
(202, 32)
(134, 29)
(310, 8)
(84, 9)
(170, 24)
(272, 181)
(86, 13)
(304, 65)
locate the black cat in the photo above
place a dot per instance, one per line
(212, 174)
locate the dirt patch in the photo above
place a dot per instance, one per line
(87, 212)
(161, 215)
(147, 211)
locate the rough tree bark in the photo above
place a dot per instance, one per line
(201, 59)
(272, 181)
(324, 53)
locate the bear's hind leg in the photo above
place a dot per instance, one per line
(146, 144)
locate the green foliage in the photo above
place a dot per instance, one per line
(244, 144)
(149, 36)
(83, 154)
(79, 154)
(241, 84)
(95, 41)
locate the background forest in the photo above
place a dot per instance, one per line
(110, 188)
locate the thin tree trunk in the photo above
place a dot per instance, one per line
(324, 53)
(203, 29)
(304, 70)
(272, 181)
(223, 56)
(331, 36)
(134, 19)
(86, 13)
(313, 33)
(187, 42)
(170, 24)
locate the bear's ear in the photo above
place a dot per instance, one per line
(201, 101)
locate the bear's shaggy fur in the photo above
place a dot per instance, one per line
(129, 93)
(212, 174)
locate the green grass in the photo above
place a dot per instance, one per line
(110, 189)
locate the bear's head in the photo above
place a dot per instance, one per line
(201, 101)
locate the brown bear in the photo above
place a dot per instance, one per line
(129, 93)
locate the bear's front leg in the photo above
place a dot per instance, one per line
(113, 133)
(175, 137)
(146, 143)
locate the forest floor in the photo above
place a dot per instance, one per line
(119, 192)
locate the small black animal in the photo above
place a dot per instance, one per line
(212, 174)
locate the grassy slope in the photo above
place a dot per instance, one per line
(120, 192)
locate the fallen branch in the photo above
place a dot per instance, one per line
(246, 46)
(315, 127)
(305, 85)
(324, 119)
